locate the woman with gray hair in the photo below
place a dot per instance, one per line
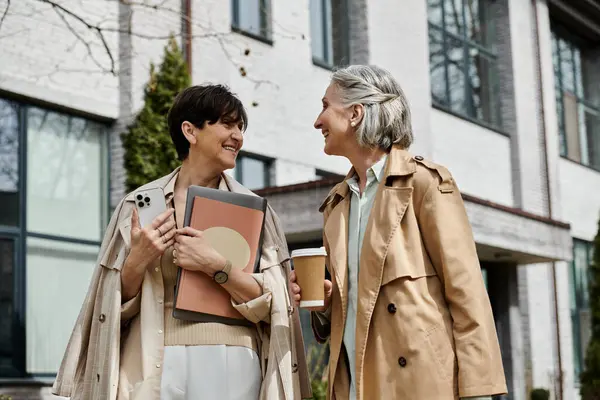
(406, 311)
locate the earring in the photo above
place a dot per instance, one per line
(353, 124)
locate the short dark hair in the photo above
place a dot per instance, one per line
(199, 105)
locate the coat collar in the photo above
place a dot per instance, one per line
(167, 184)
(377, 171)
(399, 163)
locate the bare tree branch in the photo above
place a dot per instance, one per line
(241, 69)
(15, 33)
(102, 27)
(57, 7)
(5, 12)
(79, 38)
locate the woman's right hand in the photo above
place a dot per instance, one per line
(149, 243)
(297, 293)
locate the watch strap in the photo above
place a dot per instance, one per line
(227, 267)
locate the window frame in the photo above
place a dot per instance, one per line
(266, 161)
(574, 42)
(20, 234)
(265, 34)
(327, 37)
(469, 110)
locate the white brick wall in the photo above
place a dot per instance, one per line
(42, 58)
(478, 158)
(288, 173)
(549, 107)
(527, 153)
(398, 40)
(281, 79)
(287, 89)
(541, 324)
(580, 196)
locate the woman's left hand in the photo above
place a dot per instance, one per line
(193, 252)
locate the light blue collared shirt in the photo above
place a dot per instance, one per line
(360, 209)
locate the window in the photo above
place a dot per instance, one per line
(53, 181)
(252, 17)
(463, 62)
(579, 301)
(321, 32)
(577, 100)
(254, 172)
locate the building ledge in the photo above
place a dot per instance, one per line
(330, 182)
(502, 233)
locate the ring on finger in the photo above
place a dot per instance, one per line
(159, 232)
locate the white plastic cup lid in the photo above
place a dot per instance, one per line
(318, 251)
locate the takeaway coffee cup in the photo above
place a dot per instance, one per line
(309, 265)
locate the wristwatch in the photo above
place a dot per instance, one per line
(223, 275)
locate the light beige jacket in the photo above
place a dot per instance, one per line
(424, 326)
(109, 360)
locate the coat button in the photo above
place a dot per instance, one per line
(402, 362)
(392, 308)
(419, 158)
(102, 318)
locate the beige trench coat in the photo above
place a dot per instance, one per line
(97, 367)
(424, 327)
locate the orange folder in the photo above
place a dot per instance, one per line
(233, 223)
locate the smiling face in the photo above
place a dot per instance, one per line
(335, 121)
(217, 144)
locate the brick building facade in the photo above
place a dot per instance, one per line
(505, 93)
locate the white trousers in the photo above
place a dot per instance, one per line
(210, 372)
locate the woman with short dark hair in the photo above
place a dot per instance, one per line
(160, 357)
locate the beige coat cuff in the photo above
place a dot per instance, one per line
(131, 307)
(258, 309)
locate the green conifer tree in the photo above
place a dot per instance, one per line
(590, 378)
(149, 151)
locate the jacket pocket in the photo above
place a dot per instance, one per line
(439, 343)
(406, 270)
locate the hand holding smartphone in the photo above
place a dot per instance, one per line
(150, 204)
(152, 228)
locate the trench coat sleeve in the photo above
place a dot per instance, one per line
(449, 242)
(131, 307)
(321, 321)
(258, 309)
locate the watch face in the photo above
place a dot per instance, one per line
(221, 277)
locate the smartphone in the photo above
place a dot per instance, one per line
(150, 203)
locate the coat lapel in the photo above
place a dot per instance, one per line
(386, 215)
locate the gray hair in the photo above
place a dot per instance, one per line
(386, 119)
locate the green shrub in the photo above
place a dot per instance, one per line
(317, 363)
(149, 151)
(590, 377)
(540, 394)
